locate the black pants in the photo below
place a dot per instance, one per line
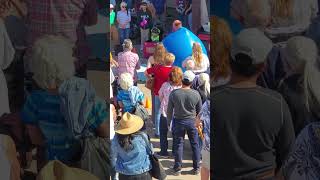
(143, 176)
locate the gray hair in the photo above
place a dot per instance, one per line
(52, 61)
(127, 45)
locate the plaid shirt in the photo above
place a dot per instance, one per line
(128, 63)
(61, 17)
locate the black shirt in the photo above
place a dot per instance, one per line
(252, 132)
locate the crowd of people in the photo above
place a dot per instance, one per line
(62, 125)
(265, 91)
(180, 94)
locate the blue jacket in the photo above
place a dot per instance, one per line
(133, 162)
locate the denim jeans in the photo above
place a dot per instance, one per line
(157, 114)
(163, 134)
(124, 34)
(182, 126)
(143, 176)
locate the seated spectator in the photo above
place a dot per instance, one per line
(254, 134)
(129, 95)
(53, 67)
(131, 149)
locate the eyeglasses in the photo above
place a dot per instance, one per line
(123, 6)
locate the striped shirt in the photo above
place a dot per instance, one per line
(124, 17)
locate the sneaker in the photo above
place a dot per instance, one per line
(195, 172)
(176, 172)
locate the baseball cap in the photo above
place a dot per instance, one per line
(111, 6)
(188, 76)
(253, 43)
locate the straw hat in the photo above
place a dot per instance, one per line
(129, 124)
(56, 170)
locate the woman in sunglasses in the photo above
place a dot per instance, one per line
(124, 19)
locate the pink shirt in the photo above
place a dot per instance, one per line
(62, 17)
(164, 93)
(128, 63)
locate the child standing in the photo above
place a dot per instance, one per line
(145, 22)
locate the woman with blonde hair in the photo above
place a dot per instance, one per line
(174, 82)
(201, 61)
(158, 56)
(221, 39)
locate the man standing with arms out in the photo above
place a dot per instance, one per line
(183, 107)
(252, 126)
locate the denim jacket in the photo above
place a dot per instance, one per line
(133, 162)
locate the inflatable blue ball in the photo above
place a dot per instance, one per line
(180, 44)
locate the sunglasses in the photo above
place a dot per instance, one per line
(123, 6)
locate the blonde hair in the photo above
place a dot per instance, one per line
(282, 8)
(126, 81)
(159, 54)
(221, 41)
(52, 61)
(169, 59)
(205, 79)
(197, 54)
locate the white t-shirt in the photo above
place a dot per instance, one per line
(204, 66)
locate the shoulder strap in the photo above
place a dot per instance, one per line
(147, 142)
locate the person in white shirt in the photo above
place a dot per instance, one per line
(201, 60)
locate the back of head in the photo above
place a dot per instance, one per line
(257, 13)
(282, 8)
(175, 76)
(221, 37)
(127, 45)
(159, 54)
(126, 81)
(52, 61)
(169, 59)
(176, 25)
(204, 80)
(249, 51)
(299, 51)
(197, 54)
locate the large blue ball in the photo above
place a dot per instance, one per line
(180, 44)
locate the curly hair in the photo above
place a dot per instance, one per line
(221, 39)
(52, 60)
(159, 54)
(175, 76)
